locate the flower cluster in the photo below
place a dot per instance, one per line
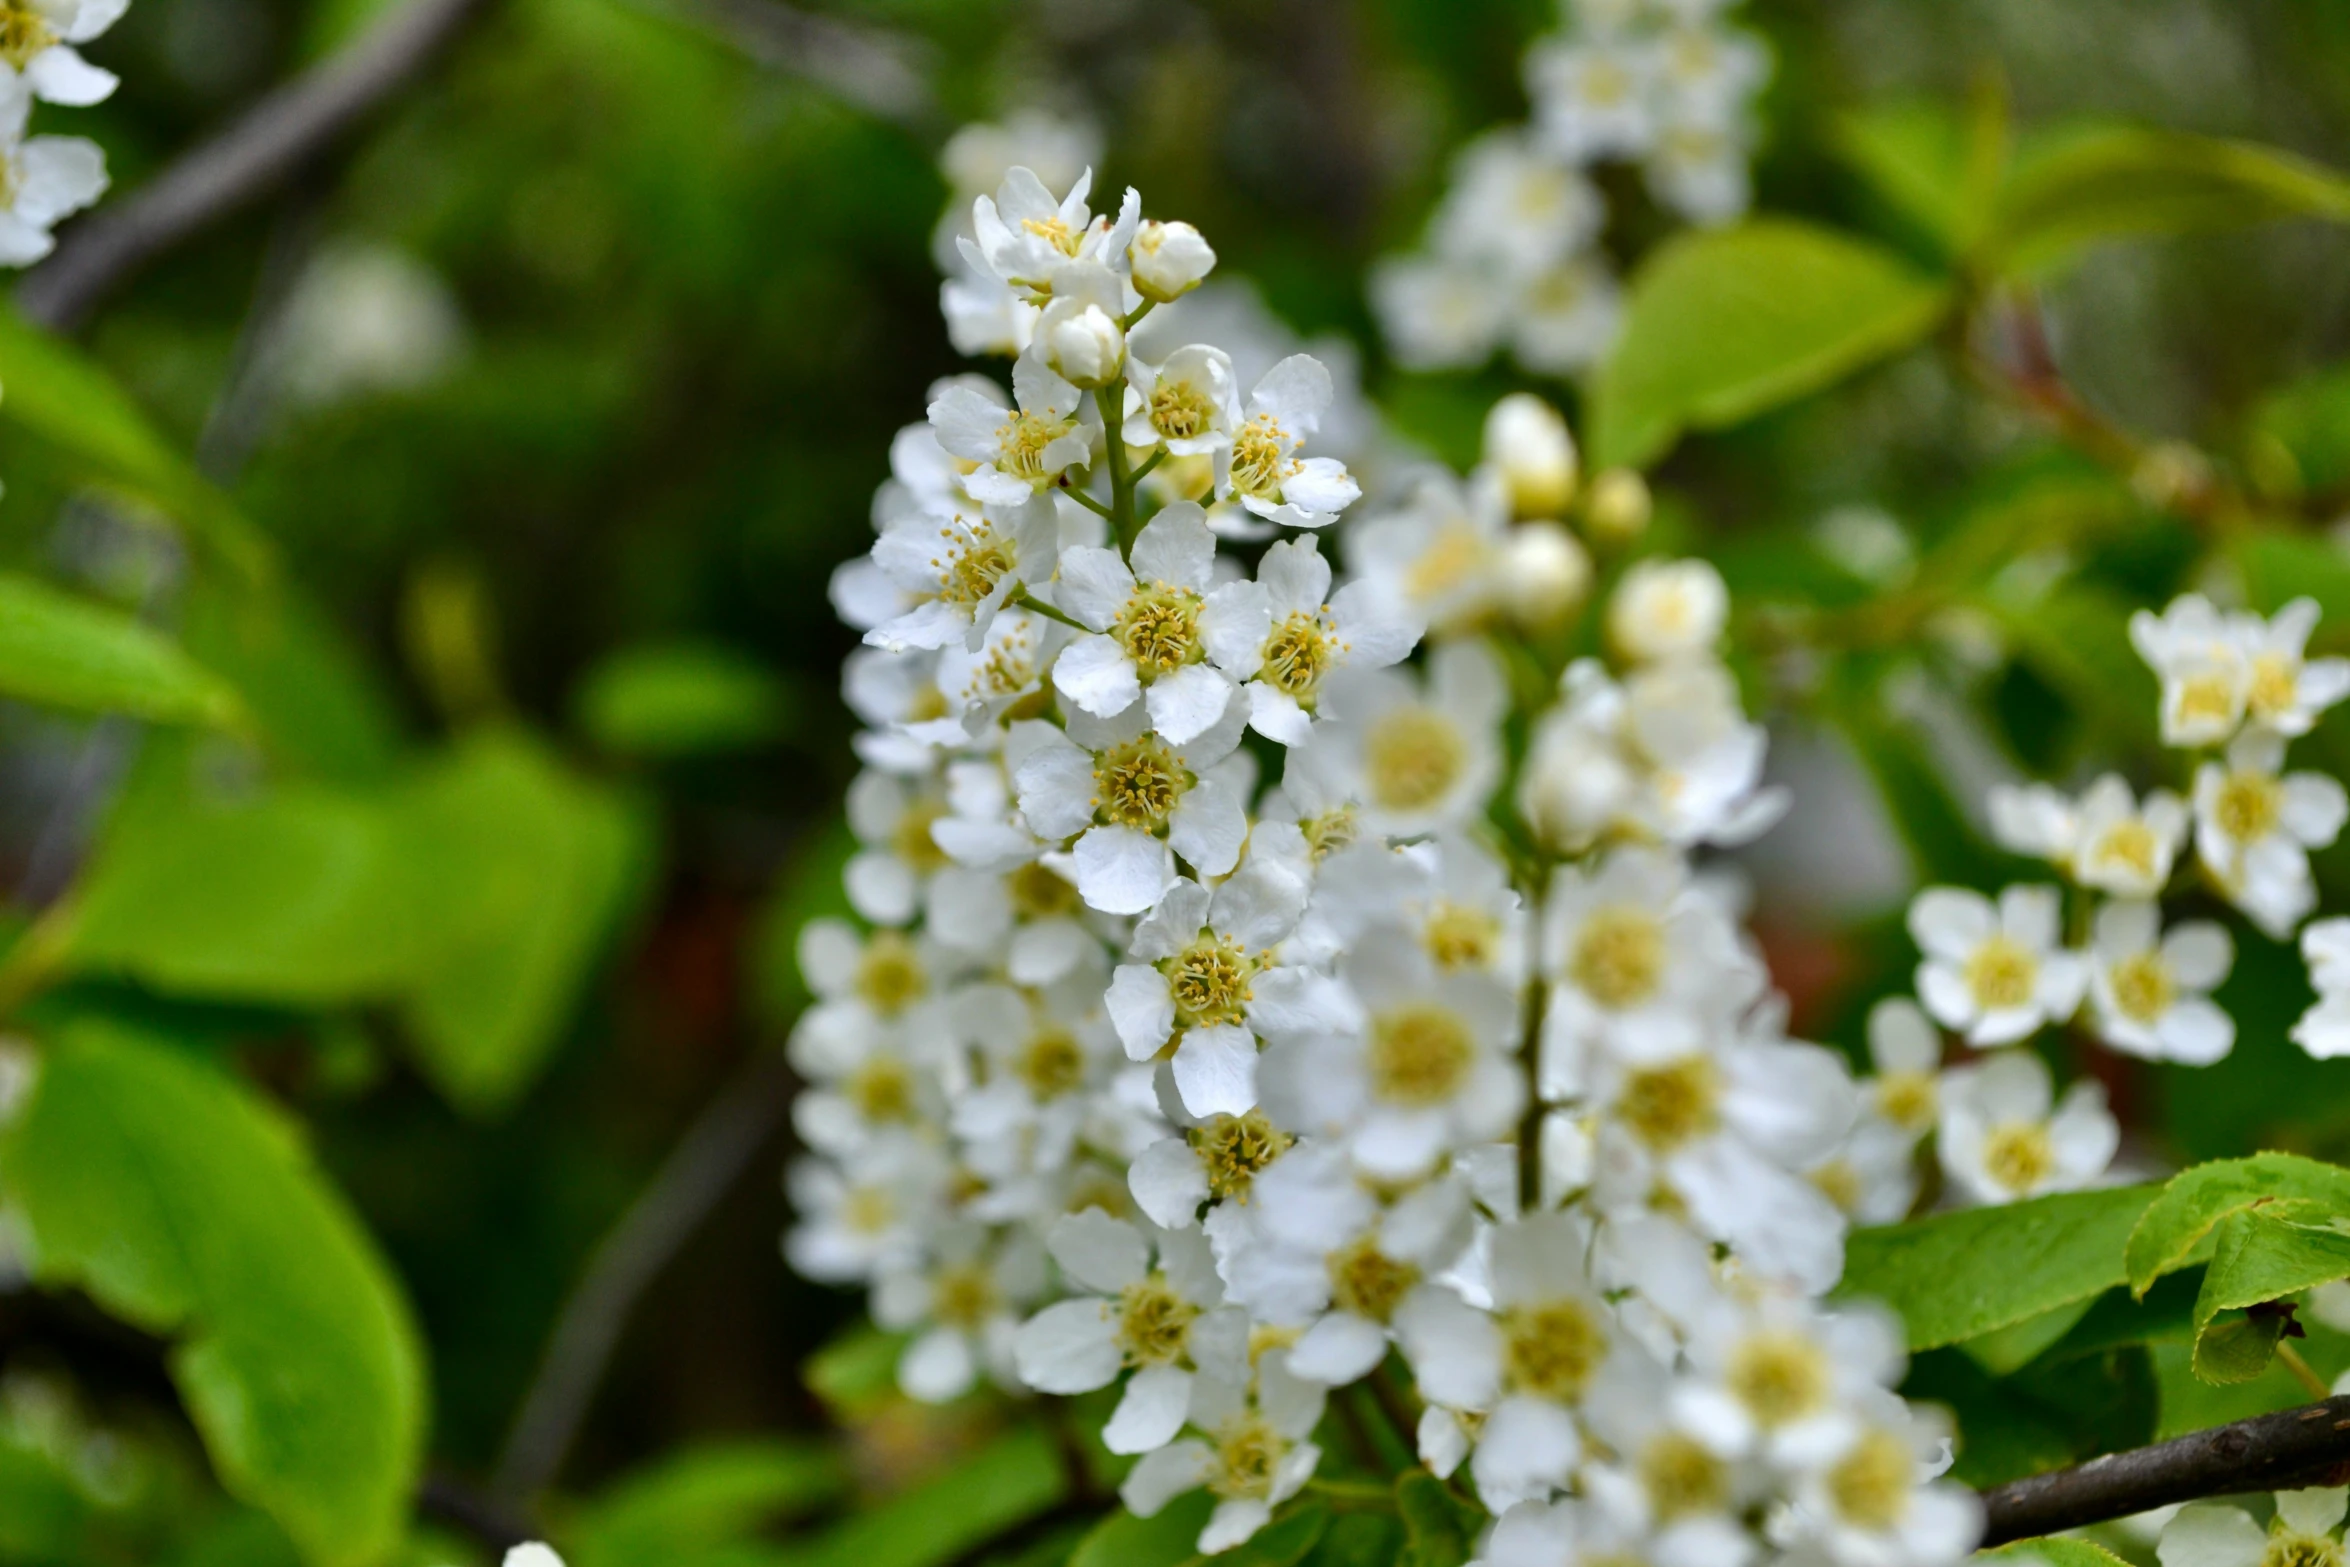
(1417, 1061)
(2235, 688)
(1512, 257)
(46, 178)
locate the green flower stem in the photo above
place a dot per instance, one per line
(1084, 500)
(1148, 463)
(1029, 601)
(1111, 399)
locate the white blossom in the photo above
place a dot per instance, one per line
(2005, 1136)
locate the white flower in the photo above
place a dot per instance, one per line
(1425, 1068)
(1868, 1498)
(1188, 403)
(1131, 799)
(2004, 1136)
(1667, 609)
(1642, 962)
(1872, 1177)
(2198, 657)
(2254, 829)
(2107, 841)
(1420, 754)
(956, 573)
(1511, 203)
(1567, 317)
(1593, 97)
(1776, 1377)
(1701, 761)
(2151, 988)
(1548, 572)
(532, 1555)
(1020, 452)
(1285, 633)
(2324, 1030)
(39, 47)
(2288, 690)
(1527, 442)
(865, 1210)
(1169, 260)
(1026, 238)
(1994, 974)
(1166, 1324)
(985, 315)
(1438, 312)
(1081, 336)
(1699, 171)
(891, 815)
(1261, 467)
(2212, 1534)
(43, 179)
(1440, 556)
(1254, 1454)
(1906, 1050)
(1204, 980)
(962, 1308)
(1151, 628)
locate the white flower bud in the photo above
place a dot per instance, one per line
(1575, 786)
(1083, 342)
(1170, 260)
(1527, 440)
(1616, 511)
(1546, 575)
(1667, 608)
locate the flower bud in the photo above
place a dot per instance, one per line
(1527, 440)
(1616, 511)
(1667, 608)
(1546, 574)
(1170, 260)
(1084, 343)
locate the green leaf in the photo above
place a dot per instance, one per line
(2003, 1351)
(1006, 1483)
(678, 699)
(2076, 638)
(55, 392)
(2238, 1348)
(1168, 1538)
(708, 1497)
(1725, 324)
(1440, 1531)
(2090, 184)
(856, 1370)
(64, 651)
(2257, 1258)
(527, 868)
(2279, 567)
(2054, 1551)
(1956, 1276)
(2177, 1224)
(1934, 168)
(320, 711)
(182, 1205)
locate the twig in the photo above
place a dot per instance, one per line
(452, 1502)
(703, 1167)
(2279, 1452)
(274, 141)
(883, 73)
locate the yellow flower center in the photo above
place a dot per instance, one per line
(2248, 805)
(2286, 1548)
(1040, 892)
(1055, 232)
(2142, 986)
(1840, 1183)
(868, 1210)
(963, 1296)
(1780, 1376)
(2207, 699)
(1413, 756)
(24, 32)
(1159, 629)
(1209, 981)
(912, 839)
(890, 975)
(2275, 683)
(1331, 831)
(2130, 844)
(976, 559)
(1154, 1323)
(1551, 1350)
(1367, 1282)
(1051, 1064)
(1909, 1099)
(882, 1090)
(1260, 458)
(1180, 411)
(1138, 783)
(2001, 974)
(1619, 957)
(1297, 654)
(1871, 1484)
(1233, 1148)
(1451, 558)
(929, 703)
(1420, 1054)
(1247, 1453)
(1021, 441)
(2018, 1155)
(1460, 937)
(1667, 1106)
(1681, 1477)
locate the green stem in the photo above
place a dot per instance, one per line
(1148, 463)
(1352, 1496)
(1134, 317)
(1084, 500)
(1111, 400)
(1029, 601)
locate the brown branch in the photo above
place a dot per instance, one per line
(2279, 1452)
(277, 138)
(703, 1168)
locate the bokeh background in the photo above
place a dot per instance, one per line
(584, 362)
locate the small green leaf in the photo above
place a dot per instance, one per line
(1167, 1538)
(1959, 1275)
(1932, 167)
(1725, 324)
(2257, 1257)
(2176, 1225)
(856, 1370)
(1440, 1531)
(2237, 1347)
(702, 1499)
(2076, 638)
(2084, 185)
(2053, 1551)
(677, 700)
(63, 651)
(2279, 567)
(1008, 1482)
(183, 1206)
